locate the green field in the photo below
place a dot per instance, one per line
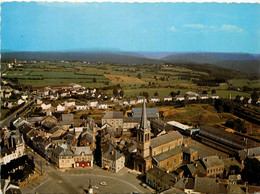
(161, 79)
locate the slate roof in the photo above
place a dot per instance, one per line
(164, 155)
(162, 174)
(111, 153)
(86, 150)
(212, 161)
(163, 139)
(113, 115)
(206, 185)
(131, 120)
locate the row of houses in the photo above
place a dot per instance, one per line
(58, 142)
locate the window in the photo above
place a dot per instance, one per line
(167, 163)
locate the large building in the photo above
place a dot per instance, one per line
(114, 119)
(165, 150)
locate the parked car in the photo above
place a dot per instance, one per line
(103, 183)
(94, 187)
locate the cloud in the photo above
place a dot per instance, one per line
(231, 28)
(172, 28)
(194, 26)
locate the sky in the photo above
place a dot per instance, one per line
(147, 27)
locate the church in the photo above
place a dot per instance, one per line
(164, 151)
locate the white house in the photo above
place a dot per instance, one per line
(179, 98)
(20, 101)
(141, 100)
(203, 96)
(74, 85)
(46, 106)
(154, 99)
(132, 101)
(24, 96)
(125, 103)
(102, 105)
(61, 107)
(92, 103)
(167, 98)
(54, 96)
(191, 97)
(70, 103)
(46, 92)
(214, 96)
(81, 106)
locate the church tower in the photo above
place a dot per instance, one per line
(143, 160)
(143, 135)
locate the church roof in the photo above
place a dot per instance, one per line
(144, 124)
(163, 139)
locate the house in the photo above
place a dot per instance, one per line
(74, 85)
(70, 103)
(46, 106)
(140, 100)
(67, 119)
(191, 97)
(54, 95)
(125, 103)
(63, 157)
(80, 91)
(65, 93)
(46, 92)
(61, 107)
(7, 94)
(179, 98)
(102, 105)
(167, 98)
(114, 119)
(38, 101)
(160, 179)
(130, 123)
(154, 99)
(112, 159)
(8, 104)
(250, 153)
(132, 101)
(203, 96)
(49, 122)
(92, 103)
(12, 147)
(214, 96)
(213, 165)
(81, 106)
(83, 157)
(24, 96)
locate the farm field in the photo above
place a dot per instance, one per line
(134, 79)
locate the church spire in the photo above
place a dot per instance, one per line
(143, 123)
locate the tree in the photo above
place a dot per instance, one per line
(213, 91)
(239, 125)
(156, 94)
(115, 91)
(122, 93)
(254, 97)
(94, 80)
(173, 94)
(204, 92)
(251, 171)
(139, 76)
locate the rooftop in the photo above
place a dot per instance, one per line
(163, 139)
